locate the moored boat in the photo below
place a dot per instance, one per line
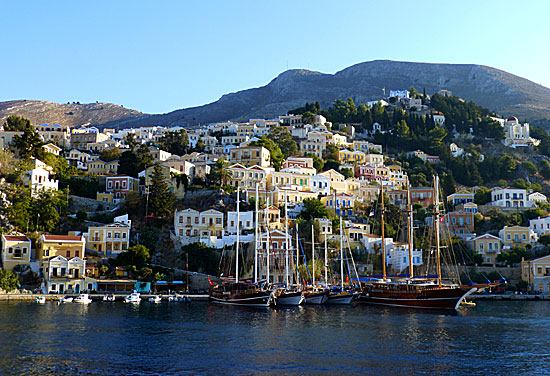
(411, 292)
(340, 297)
(132, 298)
(284, 297)
(241, 293)
(316, 297)
(109, 298)
(40, 299)
(66, 299)
(82, 299)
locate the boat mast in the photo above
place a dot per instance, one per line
(313, 254)
(410, 228)
(341, 255)
(267, 244)
(237, 247)
(436, 228)
(256, 239)
(286, 241)
(297, 255)
(382, 231)
(326, 261)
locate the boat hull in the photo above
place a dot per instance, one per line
(258, 299)
(342, 299)
(316, 298)
(294, 298)
(413, 296)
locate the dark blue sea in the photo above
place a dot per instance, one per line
(494, 338)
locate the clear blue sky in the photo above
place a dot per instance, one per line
(157, 56)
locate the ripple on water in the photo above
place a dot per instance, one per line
(495, 338)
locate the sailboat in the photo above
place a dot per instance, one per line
(241, 293)
(414, 292)
(288, 296)
(340, 295)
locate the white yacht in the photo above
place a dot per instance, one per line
(83, 299)
(66, 299)
(132, 298)
(40, 299)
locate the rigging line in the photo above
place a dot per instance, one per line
(303, 253)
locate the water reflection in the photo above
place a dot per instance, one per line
(494, 338)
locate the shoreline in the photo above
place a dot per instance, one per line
(94, 297)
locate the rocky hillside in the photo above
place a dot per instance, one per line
(39, 112)
(500, 91)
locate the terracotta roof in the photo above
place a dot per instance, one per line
(14, 238)
(62, 237)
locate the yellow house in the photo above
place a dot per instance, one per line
(461, 197)
(337, 180)
(67, 246)
(536, 273)
(248, 177)
(192, 226)
(281, 178)
(99, 167)
(16, 250)
(517, 236)
(62, 263)
(488, 246)
(251, 156)
(105, 197)
(348, 156)
(293, 196)
(63, 275)
(109, 240)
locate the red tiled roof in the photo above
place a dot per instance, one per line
(63, 237)
(14, 238)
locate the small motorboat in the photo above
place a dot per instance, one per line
(66, 299)
(172, 299)
(133, 298)
(466, 303)
(109, 298)
(82, 299)
(155, 299)
(40, 299)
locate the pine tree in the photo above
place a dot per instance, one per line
(161, 198)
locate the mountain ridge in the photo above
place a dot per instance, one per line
(500, 91)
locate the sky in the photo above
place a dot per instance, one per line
(158, 56)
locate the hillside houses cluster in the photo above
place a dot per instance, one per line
(61, 258)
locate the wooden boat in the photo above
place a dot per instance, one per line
(411, 292)
(242, 293)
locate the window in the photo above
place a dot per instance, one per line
(68, 254)
(181, 219)
(10, 250)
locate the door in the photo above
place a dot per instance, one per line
(77, 288)
(61, 289)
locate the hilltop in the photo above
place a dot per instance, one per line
(495, 89)
(72, 114)
(502, 92)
